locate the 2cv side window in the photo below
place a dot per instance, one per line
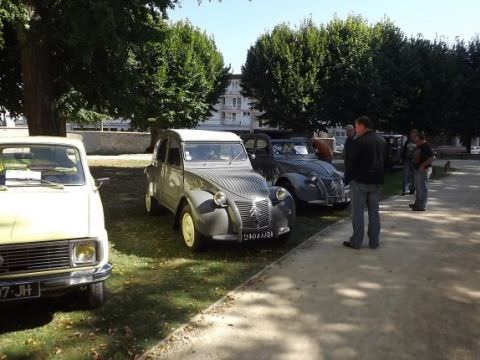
(262, 148)
(174, 153)
(249, 145)
(161, 151)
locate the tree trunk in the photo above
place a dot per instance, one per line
(38, 88)
(155, 131)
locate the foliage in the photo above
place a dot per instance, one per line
(82, 46)
(353, 68)
(182, 77)
(281, 75)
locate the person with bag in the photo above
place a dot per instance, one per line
(408, 156)
(422, 163)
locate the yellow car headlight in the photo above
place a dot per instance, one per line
(84, 252)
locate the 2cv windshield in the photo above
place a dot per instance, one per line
(222, 152)
(38, 165)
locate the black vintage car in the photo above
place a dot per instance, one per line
(291, 163)
(394, 149)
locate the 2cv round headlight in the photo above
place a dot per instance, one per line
(281, 194)
(219, 198)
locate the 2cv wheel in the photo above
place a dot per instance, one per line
(151, 204)
(188, 231)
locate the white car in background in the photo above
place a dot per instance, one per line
(52, 231)
(475, 150)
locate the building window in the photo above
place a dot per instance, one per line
(234, 116)
(234, 102)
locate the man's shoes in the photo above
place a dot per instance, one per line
(348, 244)
(412, 192)
(418, 208)
(412, 205)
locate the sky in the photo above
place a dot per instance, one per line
(236, 24)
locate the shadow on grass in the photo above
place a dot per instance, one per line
(157, 283)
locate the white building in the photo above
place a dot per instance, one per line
(233, 111)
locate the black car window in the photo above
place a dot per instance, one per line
(162, 149)
(174, 153)
(249, 145)
(262, 147)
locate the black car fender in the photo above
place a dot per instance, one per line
(283, 211)
(301, 185)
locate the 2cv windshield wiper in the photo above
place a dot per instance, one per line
(44, 182)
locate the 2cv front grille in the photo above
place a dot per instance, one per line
(334, 186)
(254, 215)
(34, 257)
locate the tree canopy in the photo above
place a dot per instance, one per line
(59, 57)
(309, 77)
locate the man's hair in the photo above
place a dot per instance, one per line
(365, 121)
(421, 135)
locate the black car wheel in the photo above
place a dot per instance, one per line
(96, 294)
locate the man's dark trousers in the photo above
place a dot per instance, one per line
(365, 195)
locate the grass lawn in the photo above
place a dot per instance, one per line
(157, 283)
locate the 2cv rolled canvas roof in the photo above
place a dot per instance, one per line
(205, 135)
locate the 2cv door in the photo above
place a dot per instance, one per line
(172, 183)
(262, 161)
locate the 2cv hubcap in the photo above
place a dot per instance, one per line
(188, 229)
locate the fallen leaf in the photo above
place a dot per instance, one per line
(58, 351)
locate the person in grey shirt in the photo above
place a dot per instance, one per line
(365, 173)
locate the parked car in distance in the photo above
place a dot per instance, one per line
(291, 163)
(205, 178)
(394, 149)
(52, 232)
(475, 150)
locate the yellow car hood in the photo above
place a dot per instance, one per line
(43, 214)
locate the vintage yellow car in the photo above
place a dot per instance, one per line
(52, 231)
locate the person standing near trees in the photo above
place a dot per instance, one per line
(408, 156)
(347, 147)
(422, 162)
(365, 173)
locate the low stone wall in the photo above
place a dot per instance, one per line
(99, 142)
(114, 142)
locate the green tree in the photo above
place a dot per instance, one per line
(465, 120)
(281, 76)
(182, 78)
(53, 51)
(351, 75)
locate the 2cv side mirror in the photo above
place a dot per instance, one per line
(251, 155)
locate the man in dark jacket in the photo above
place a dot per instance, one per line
(365, 173)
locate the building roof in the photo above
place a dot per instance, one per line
(41, 140)
(205, 135)
(235, 76)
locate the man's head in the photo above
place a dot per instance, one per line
(420, 138)
(413, 135)
(350, 130)
(362, 125)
